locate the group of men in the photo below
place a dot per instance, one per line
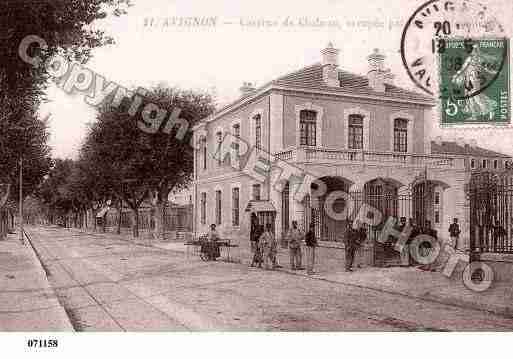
(264, 246)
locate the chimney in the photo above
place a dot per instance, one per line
(246, 89)
(388, 77)
(438, 140)
(330, 66)
(377, 73)
(460, 141)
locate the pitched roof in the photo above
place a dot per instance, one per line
(453, 148)
(311, 77)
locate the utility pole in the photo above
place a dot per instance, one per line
(22, 237)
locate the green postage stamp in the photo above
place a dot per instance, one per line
(474, 81)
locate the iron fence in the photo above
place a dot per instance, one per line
(491, 212)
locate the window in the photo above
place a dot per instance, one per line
(437, 217)
(400, 135)
(218, 207)
(258, 131)
(236, 130)
(472, 163)
(204, 148)
(256, 192)
(484, 163)
(219, 138)
(235, 206)
(437, 197)
(355, 132)
(495, 164)
(203, 208)
(307, 121)
(236, 133)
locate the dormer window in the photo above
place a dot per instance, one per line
(400, 135)
(307, 121)
(355, 133)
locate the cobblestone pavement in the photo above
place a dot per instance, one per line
(109, 284)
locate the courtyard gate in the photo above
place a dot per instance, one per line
(491, 212)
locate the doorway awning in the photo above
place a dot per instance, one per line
(260, 206)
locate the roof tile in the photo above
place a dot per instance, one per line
(453, 148)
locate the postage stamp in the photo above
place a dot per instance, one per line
(458, 52)
(474, 81)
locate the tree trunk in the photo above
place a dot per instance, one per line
(135, 223)
(120, 209)
(160, 211)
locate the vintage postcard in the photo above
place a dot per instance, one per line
(221, 166)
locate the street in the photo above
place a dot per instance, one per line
(109, 284)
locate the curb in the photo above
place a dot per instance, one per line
(37, 258)
(455, 302)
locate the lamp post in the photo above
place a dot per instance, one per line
(24, 129)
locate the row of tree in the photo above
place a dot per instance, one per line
(66, 27)
(121, 165)
(118, 163)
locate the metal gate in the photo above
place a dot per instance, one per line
(491, 212)
(415, 204)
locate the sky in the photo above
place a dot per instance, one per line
(249, 41)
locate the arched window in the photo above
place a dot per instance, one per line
(400, 135)
(307, 121)
(355, 132)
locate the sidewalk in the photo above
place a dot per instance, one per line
(27, 302)
(408, 281)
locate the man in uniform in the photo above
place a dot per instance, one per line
(294, 238)
(354, 237)
(454, 232)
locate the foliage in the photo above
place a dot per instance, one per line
(68, 27)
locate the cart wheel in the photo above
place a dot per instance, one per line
(204, 256)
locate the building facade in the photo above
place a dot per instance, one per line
(360, 135)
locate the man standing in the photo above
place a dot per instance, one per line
(268, 246)
(254, 235)
(311, 243)
(352, 242)
(213, 251)
(454, 232)
(295, 238)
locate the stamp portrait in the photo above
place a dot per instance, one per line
(474, 81)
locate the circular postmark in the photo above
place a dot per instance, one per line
(453, 48)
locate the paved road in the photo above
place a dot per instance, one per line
(108, 284)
